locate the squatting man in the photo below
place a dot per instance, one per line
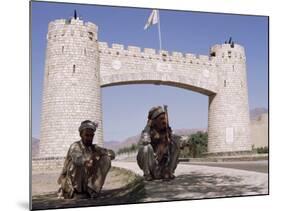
(86, 166)
(159, 150)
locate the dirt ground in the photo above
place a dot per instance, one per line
(117, 189)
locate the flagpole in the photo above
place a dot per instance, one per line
(159, 31)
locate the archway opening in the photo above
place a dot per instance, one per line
(125, 110)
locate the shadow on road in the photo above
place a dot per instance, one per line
(195, 185)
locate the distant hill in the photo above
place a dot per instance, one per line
(114, 145)
(257, 112)
(259, 128)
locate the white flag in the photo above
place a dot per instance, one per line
(153, 19)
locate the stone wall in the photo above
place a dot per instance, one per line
(42, 165)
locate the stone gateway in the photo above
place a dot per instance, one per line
(77, 66)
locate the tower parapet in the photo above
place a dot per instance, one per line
(227, 51)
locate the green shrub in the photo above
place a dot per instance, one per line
(197, 145)
(261, 150)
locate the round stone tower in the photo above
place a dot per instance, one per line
(71, 85)
(228, 121)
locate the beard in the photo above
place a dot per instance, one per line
(163, 130)
(87, 143)
(160, 126)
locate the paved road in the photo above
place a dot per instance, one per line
(198, 181)
(257, 166)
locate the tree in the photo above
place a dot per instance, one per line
(198, 144)
(132, 148)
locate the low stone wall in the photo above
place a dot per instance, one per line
(232, 153)
(132, 156)
(47, 164)
(250, 157)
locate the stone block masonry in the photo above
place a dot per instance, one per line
(71, 85)
(77, 66)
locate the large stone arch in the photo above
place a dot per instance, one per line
(163, 79)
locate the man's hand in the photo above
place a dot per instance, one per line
(111, 154)
(95, 156)
(145, 139)
(88, 163)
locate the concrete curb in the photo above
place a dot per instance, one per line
(255, 157)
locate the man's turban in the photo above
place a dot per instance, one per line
(155, 112)
(87, 124)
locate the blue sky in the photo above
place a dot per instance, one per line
(125, 107)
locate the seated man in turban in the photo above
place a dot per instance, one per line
(159, 151)
(86, 166)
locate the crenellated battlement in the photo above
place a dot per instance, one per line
(72, 27)
(235, 51)
(217, 51)
(77, 22)
(63, 28)
(150, 53)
